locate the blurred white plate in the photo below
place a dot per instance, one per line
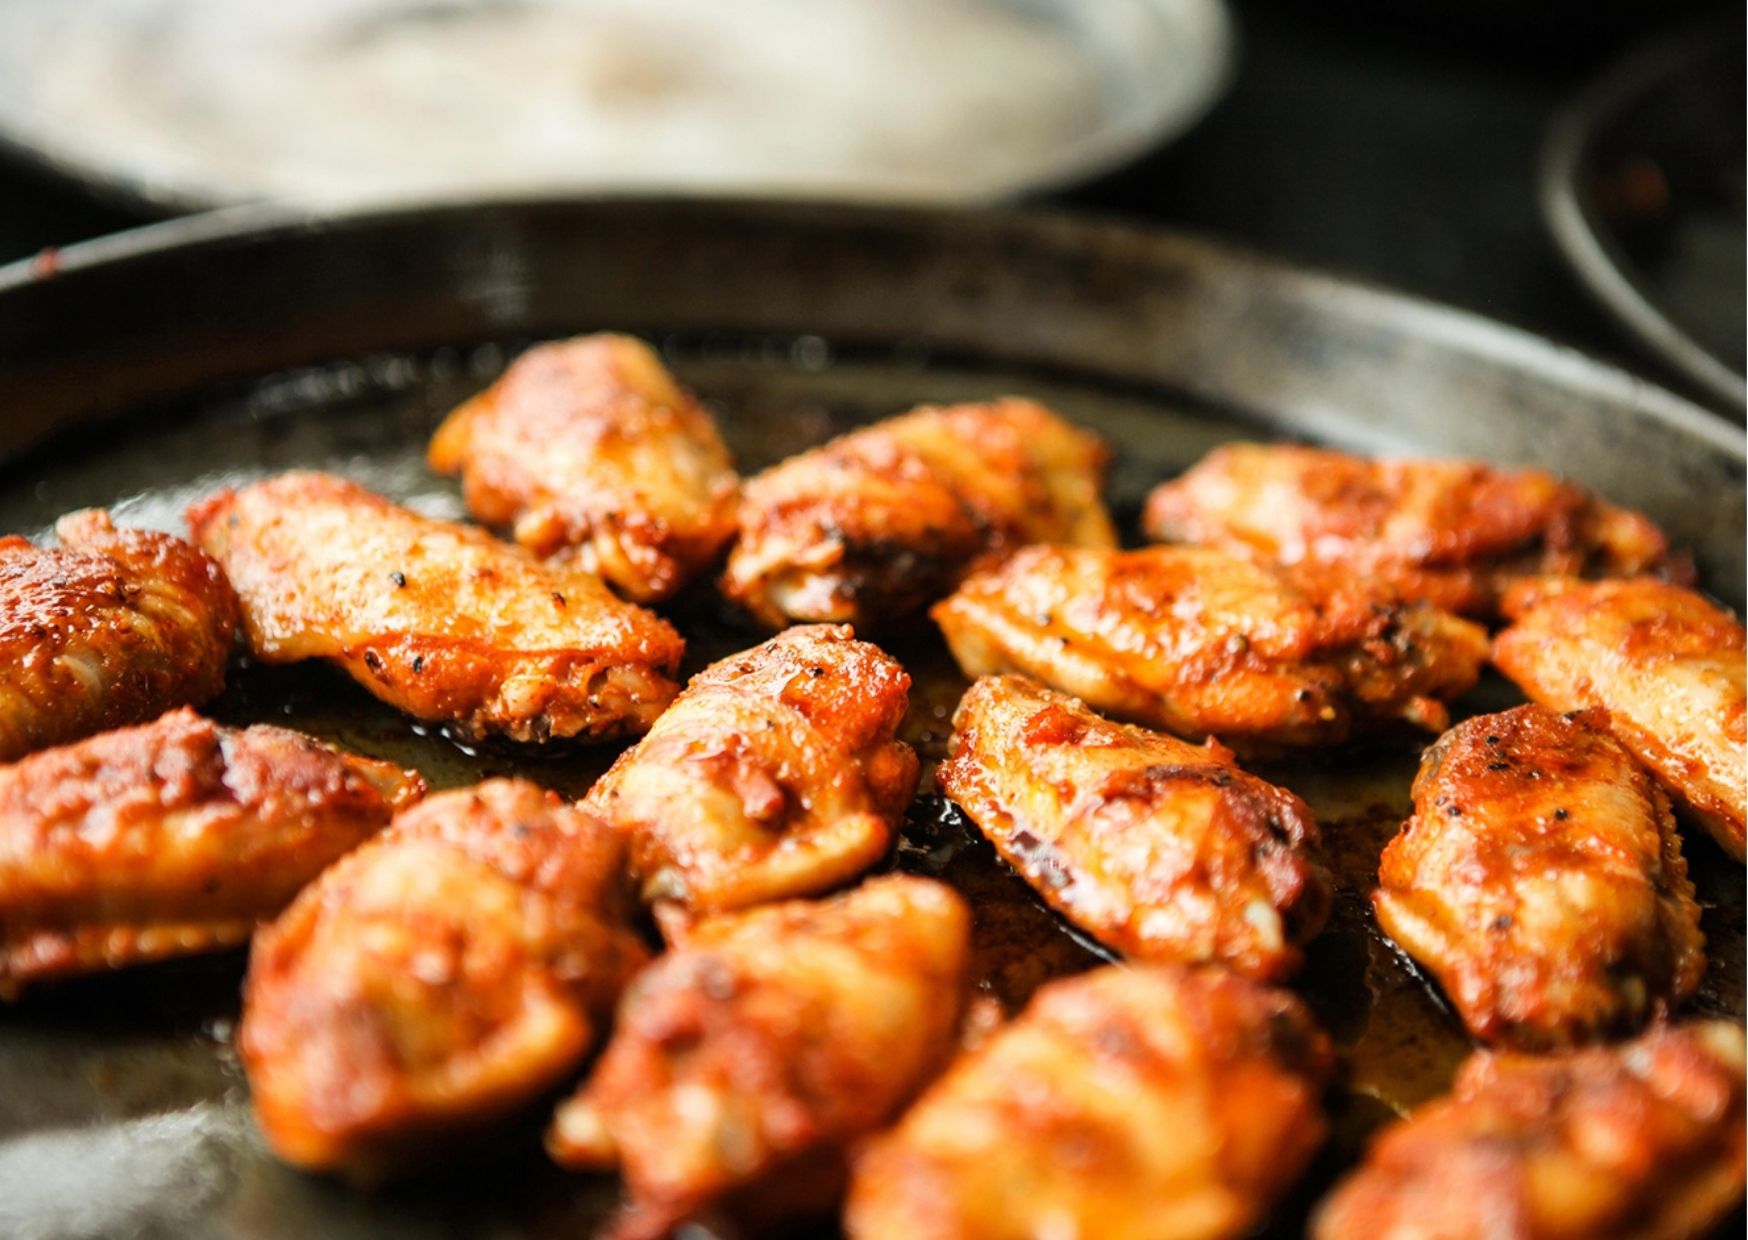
(198, 103)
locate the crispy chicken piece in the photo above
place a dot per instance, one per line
(1641, 1141)
(588, 446)
(1141, 1102)
(1158, 848)
(744, 1062)
(114, 626)
(443, 976)
(1666, 664)
(171, 838)
(436, 619)
(1202, 643)
(775, 774)
(1450, 533)
(1541, 881)
(882, 521)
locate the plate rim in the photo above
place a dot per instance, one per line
(1107, 150)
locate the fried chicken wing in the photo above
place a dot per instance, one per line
(744, 1062)
(589, 447)
(1142, 1102)
(113, 627)
(876, 524)
(1448, 532)
(1666, 664)
(441, 977)
(1642, 1141)
(171, 838)
(775, 774)
(1158, 848)
(1202, 643)
(436, 619)
(1541, 881)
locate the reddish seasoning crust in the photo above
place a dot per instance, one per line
(1452, 533)
(880, 522)
(1163, 850)
(1668, 666)
(1641, 1141)
(775, 774)
(745, 1061)
(1541, 881)
(113, 627)
(1128, 1102)
(589, 447)
(171, 838)
(1202, 643)
(437, 619)
(441, 977)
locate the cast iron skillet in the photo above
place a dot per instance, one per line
(144, 370)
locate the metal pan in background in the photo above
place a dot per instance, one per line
(144, 370)
(1642, 185)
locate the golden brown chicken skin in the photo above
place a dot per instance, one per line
(743, 1063)
(882, 521)
(775, 774)
(1129, 1103)
(171, 838)
(113, 627)
(589, 447)
(1161, 849)
(1541, 881)
(1448, 532)
(443, 976)
(1642, 1141)
(436, 619)
(1666, 664)
(1202, 643)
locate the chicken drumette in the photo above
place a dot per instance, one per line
(1666, 664)
(171, 838)
(113, 627)
(1129, 1102)
(1161, 849)
(437, 619)
(1541, 881)
(1203, 643)
(1449, 532)
(874, 525)
(589, 447)
(775, 774)
(1642, 1141)
(445, 975)
(745, 1061)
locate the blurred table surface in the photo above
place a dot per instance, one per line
(1402, 150)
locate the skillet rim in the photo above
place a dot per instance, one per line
(1404, 314)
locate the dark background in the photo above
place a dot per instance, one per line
(1395, 141)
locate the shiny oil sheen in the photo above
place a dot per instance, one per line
(124, 1107)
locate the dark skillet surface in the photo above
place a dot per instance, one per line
(123, 1109)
